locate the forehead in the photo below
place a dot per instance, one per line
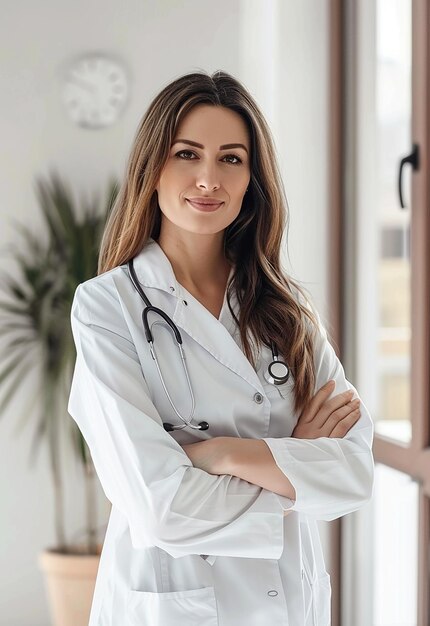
(213, 125)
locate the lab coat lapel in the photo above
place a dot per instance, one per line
(213, 335)
(154, 269)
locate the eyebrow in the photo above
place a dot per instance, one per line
(226, 146)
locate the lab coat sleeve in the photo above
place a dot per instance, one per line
(332, 476)
(143, 471)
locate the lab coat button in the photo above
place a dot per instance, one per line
(185, 302)
(171, 288)
(272, 593)
(258, 398)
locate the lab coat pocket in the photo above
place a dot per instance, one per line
(194, 607)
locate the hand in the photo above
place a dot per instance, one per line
(208, 455)
(328, 418)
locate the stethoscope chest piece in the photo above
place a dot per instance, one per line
(277, 372)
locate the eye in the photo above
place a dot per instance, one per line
(234, 156)
(184, 152)
(239, 160)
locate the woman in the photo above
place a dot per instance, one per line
(216, 475)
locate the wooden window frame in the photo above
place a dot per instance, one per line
(414, 458)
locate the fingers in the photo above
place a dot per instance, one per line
(335, 409)
(328, 418)
(340, 414)
(345, 424)
(340, 400)
(318, 400)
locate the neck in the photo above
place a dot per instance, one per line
(198, 261)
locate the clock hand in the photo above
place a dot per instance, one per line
(84, 83)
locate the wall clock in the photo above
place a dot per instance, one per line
(95, 90)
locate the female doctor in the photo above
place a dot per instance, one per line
(219, 419)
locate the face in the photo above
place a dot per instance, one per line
(209, 170)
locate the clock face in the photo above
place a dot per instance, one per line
(95, 91)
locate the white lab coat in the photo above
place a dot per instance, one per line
(184, 547)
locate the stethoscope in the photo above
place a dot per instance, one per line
(277, 372)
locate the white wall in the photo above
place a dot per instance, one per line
(284, 62)
(277, 48)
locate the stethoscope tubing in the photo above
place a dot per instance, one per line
(270, 376)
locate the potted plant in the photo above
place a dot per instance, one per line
(36, 326)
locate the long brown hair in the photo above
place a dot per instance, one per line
(273, 306)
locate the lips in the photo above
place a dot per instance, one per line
(204, 200)
(204, 205)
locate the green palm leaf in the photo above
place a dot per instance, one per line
(35, 311)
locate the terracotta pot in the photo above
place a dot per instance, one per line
(69, 582)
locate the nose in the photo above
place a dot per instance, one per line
(208, 177)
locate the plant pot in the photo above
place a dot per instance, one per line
(69, 582)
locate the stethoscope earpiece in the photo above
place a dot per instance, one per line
(277, 372)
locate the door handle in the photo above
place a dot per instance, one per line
(413, 159)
